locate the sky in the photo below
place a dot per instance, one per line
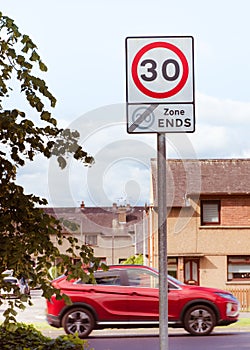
(83, 45)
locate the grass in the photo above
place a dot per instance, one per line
(243, 322)
(44, 326)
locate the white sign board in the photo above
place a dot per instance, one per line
(160, 84)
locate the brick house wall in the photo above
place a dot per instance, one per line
(209, 245)
(235, 211)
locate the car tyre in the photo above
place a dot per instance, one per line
(78, 320)
(199, 320)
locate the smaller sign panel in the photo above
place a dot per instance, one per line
(160, 84)
(160, 118)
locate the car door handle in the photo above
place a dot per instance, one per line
(134, 293)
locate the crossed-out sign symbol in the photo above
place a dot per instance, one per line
(152, 70)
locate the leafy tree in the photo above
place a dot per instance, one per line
(25, 229)
(134, 260)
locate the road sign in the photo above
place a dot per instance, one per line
(160, 84)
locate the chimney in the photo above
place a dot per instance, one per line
(122, 215)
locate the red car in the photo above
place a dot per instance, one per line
(127, 296)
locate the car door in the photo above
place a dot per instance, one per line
(174, 293)
(110, 296)
(142, 295)
(107, 297)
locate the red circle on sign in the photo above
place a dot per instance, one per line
(164, 94)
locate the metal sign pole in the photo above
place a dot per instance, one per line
(160, 103)
(162, 241)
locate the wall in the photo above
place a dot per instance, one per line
(123, 247)
(213, 271)
(114, 248)
(186, 237)
(182, 231)
(235, 211)
(232, 236)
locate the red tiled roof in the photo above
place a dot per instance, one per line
(202, 176)
(98, 220)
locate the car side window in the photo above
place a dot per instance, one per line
(112, 279)
(141, 278)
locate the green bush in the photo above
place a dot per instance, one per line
(25, 337)
(134, 260)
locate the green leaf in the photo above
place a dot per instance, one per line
(34, 56)
(20, 59)
(62, 162)
(43, 67)
(45, 116)
(25, 39)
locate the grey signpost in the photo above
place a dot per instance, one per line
(160, 99)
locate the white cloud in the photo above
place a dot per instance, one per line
(218, 111)
(221, 128)
(83, 44)
(122, 161)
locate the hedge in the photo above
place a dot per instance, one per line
(20, 336)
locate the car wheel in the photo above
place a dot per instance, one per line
(199, 320)
(78, 320)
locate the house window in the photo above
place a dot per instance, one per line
(238, 268)
(172, 267)
(210, 212)
(91, 239)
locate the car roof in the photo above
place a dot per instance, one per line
(131, 266)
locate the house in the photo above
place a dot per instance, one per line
(114, 233)
(208, 221)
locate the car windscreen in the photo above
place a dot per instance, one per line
(174, 280)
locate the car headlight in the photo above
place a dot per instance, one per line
(227, 296)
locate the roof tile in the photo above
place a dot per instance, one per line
(202, 176)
